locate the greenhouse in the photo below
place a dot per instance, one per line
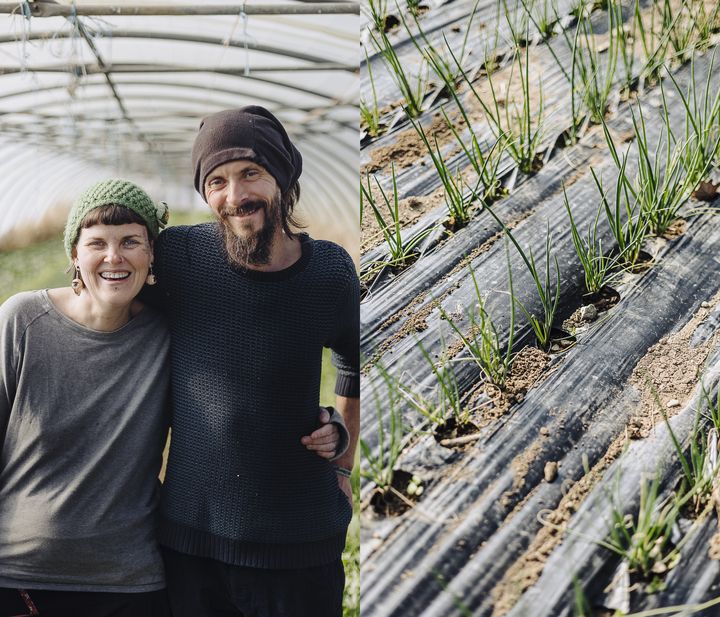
(91, 90)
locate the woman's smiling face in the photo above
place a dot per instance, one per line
(113, 261)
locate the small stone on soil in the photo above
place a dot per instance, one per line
(588, 313)
(673, 402)
(551, 471)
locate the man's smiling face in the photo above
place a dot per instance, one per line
(246, 200)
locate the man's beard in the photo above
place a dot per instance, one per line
(252, 249)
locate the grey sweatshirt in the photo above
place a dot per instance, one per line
(82, 428)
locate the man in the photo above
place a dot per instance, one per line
(253, 523)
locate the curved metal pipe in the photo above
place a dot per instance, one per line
(190, 38)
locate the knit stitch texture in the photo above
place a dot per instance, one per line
(245, 380)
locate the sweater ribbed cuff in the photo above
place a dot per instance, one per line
(347, 384)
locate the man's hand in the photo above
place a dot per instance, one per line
(325, 440)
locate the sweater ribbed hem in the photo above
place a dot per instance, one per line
(191, 541)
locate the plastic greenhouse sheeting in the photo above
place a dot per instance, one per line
(94, 89)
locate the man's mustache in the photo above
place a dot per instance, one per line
(246, 208)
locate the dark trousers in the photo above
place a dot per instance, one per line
(47, 603)
(200, 587)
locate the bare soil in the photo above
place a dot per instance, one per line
(672, 367)
(666, 376)
(409, 211)
(408, 147)
(528, 568)
(527, 368)
(714, 548)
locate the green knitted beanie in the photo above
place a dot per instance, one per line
(117, 192)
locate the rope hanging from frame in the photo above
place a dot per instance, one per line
(242, 15)
(26, 12)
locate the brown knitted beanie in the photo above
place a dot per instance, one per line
(249, 133)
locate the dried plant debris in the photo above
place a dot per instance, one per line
(453, 434)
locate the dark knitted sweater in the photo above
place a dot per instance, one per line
(245, 380)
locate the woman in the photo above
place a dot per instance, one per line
(83, 381)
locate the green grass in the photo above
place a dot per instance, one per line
(549, 297)
(582, 605)
(412, 87)
(446, 402)
(401, 251)
(458, 206)
(34, 267)
(630, 232)
(644, 540)
(596, 265)
(351, 558)
(379, 466)
(511, 120)
(369, 112)
(482, 341)
(595, 77)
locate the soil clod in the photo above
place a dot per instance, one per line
(551, 471)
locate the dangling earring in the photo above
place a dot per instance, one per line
(77, 284)
(151, 278)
